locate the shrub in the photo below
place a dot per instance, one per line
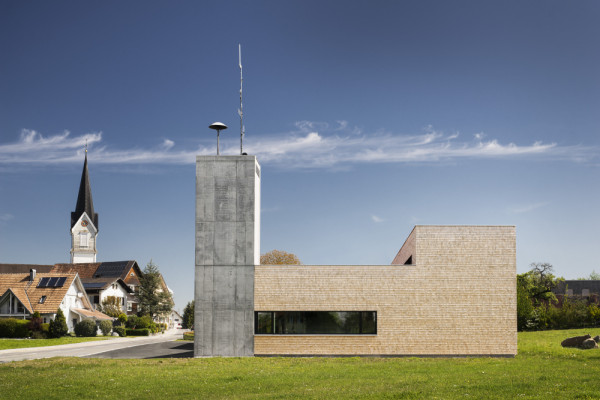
(188, 336)
(132, 322)
(122, 331)
(106, 326)
(45, 328)
(35, 323)
(144, 322)
(138, 332)
(58, 326)
(14, 328)
(86, 328)
(121, 320)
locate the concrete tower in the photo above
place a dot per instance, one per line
(84, 222)
(227, 249)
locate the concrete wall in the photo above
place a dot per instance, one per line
(459, 299)
(227, 248)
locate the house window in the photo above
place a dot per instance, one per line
(585, 292)
(569, 292)
(129, 306)
(83, 239)
(316, 322)
(42, 299)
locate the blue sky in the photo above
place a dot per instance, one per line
(367, 118)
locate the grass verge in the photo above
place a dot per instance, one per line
(6, 344)
(542, 370)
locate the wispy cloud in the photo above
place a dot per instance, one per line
(376, 219)
(4, 218)
(526, 208)
(309, 145)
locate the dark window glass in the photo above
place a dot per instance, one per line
(316, 322)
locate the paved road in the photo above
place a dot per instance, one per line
(154, 350)
(151, 347)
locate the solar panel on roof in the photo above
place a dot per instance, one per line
(61, 281)
(52, 281)
(43, 282)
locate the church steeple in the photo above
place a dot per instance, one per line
(84, 198)
(84, 222)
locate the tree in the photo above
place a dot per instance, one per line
(111, 306)
(58, 326)
(188, 316)
(278, 257)
(539, 282)
(154, 300)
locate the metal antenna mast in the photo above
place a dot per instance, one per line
(241, 109)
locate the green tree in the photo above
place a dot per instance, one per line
(279, 257)
(58, 326)
(188, 316)
(539, 282)
(111, 306)
(154, 298)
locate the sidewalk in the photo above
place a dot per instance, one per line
(86, 348)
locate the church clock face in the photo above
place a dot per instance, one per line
(84, 223)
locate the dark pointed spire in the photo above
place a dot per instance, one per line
(84, 198)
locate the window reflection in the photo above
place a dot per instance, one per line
(316, 322)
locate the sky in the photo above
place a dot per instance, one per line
(367, 118)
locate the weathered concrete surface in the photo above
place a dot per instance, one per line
(227, 248)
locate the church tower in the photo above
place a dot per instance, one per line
(84, 222)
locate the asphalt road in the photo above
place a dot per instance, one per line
(159, 346)
(154, 350)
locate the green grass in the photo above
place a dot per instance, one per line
(542, 370)
(6, 344)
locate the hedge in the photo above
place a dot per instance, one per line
(138, 332)
(14, 328)
(188, 336)
(120, 330)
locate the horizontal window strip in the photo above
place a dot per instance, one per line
(315, 322)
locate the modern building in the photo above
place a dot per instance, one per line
(450, 290)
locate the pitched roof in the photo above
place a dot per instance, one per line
(84, 199)
(90, 313)
(94, 284)
(23, 268)
(29, 294)
(85, 270)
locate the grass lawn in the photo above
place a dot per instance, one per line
(542, 370)
(6, 344)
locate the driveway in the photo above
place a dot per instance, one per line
(114, 346)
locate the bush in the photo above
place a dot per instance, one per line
(144, 322)
(86, 328)
(132, 321)
(106, 326)
(35, 323)
(122, 331)
(138, 332)
(14, 328)
(121, 320)
(188, 336)
(58, 326)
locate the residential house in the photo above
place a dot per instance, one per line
(22, 294)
